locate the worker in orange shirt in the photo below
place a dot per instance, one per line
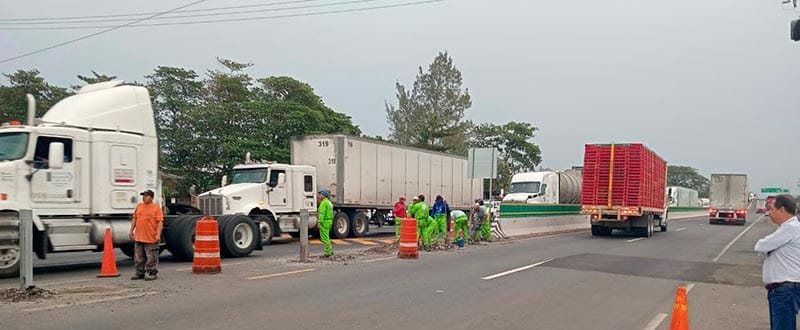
(146, 226)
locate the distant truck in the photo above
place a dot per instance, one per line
(364, 177)
(729, 199)
(545, 187)
(682, 197)
(624, 188)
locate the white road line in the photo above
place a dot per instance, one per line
(736, 239)
(281, 274)
(131, 296)
(656, 321)
(681, 229)
(635, 239)
(380, 259)
(509, 272)
(689, 287)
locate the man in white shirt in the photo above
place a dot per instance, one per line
(781, 271)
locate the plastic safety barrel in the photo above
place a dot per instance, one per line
(408, 239)
(206, 247)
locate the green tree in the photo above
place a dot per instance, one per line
(176, 94)
(13, 104)
(431, 114)
(513, 140)
(688, 177)
(93, 79)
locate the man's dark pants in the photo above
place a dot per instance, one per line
(784, 302)
(146, 258)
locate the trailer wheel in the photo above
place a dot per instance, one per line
(360, 225)
(663, 226)
(341, 225)
(601, 231)
(238, 235)
(9, 262)
(181, 238)
(651, 225)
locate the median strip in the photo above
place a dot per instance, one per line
(515, 270)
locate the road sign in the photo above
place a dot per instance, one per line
(773, 190)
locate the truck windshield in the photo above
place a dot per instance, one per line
(249, 175)
(525, 187)
(13, 145)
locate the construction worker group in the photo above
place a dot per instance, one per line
(432, 222)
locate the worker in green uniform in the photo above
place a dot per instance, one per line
(412, 208)
(421, 213)
(461, 220)
(438, 228)
(486, 226)
(325, 218)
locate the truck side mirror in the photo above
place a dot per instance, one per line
(55, 156)
(224, 181)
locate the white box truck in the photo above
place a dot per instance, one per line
(729, 199)
(81, 167)
(364, 176)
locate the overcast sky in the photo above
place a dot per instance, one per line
(712, 84)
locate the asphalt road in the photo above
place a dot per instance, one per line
(572, 281)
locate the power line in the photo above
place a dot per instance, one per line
(97, 33)
(134, 15)
(341, 3)
(243, 19)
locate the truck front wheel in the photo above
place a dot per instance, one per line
(341, 225)
(238, 235)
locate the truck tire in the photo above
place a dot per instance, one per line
(647, 230)
(379, 218)
(10, 254)
(238, 235)
(181, 239)
(360, 225)
(341, 226)
(601, 231)
(711, 221)
(266, 224)
(9, 262)
(651, 225)
(127, 250)
(663, 226)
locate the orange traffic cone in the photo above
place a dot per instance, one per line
(109, 268)
(680, 312)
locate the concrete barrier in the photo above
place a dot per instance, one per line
(527, 219)
(530, 219)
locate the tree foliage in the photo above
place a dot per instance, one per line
(513, 140)
(206, 124)
(431, 114)
(688, 177)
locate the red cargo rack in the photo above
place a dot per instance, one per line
(635, 178)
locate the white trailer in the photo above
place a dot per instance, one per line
(683, 197)
(729, 199)
(366, 176)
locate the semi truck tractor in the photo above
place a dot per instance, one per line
(81, 167)
(364, 177)
(545, 187)
(624, 188)
(729, 199)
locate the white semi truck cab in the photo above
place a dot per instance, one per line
(80, 169)
(271, 193)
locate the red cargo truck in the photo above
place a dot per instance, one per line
(624, 188)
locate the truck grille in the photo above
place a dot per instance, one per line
(211, 204)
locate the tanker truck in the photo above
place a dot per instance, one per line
(545, 187)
